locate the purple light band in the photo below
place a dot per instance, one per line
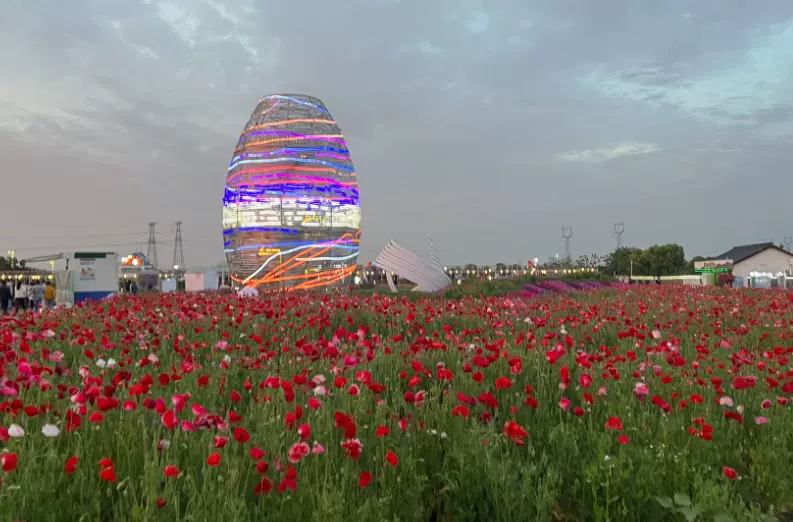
(280, 175)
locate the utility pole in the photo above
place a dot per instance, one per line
(619, 229)
(151, 253)
(178, 250)
(567, 235)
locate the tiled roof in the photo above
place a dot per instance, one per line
(739, 253)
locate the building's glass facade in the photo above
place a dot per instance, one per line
(291, 209)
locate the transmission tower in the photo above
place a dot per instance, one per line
(567, 235)
(788, 242)
(151, 253)
(178, 249)
(619, 229)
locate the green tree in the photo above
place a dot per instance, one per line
(619, 261)
(591, 260)
(657, 260)
(667, 259)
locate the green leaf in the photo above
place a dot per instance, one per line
(691, 514)
(665, 502)
(682, 500)
(723, 517)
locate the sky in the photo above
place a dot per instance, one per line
(489, 125)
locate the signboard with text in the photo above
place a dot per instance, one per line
(714, 265)
(87, 269)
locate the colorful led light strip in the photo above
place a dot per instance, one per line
(248, 171)
(294, 100)
(324, 246)
(296, 160)
(290, 264)
(332, 138)
(287, 122)
(343, 153)
(291, 166)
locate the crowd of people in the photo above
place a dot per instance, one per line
(26, 294)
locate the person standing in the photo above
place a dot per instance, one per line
(5, 297)
(21, 297)
(36, 295)
(49, 295)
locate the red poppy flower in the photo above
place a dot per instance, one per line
(71, 465)
(352, 448)
(8, 462)
(257, 453)
(213, 460)
(365, 479)
(171, 471)
(730, 473)
(515, 432)
(241, 435)
(107, 473)
(169, 419)
(392, 458)
(615, 424)
(304, 431)
(264, 487)
(289, 482)
(461, 411)
(502, 383)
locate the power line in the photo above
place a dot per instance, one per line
(12, 239)
(73, 246)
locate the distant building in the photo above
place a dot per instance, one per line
(761, 261)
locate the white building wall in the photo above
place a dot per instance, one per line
(769, 260)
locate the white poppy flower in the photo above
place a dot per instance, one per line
(16, 431)
(50, 430)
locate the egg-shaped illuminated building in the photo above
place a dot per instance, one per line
(291, 209)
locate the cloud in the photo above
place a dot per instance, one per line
(741, 86)
(609, 153)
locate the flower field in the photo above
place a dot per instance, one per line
(634, 403)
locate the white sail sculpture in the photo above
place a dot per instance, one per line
(428, 276)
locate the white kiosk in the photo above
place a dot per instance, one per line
(92, 275)
(87, 276)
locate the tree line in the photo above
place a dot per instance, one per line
(656, 261)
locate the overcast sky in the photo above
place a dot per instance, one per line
(489, 124)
